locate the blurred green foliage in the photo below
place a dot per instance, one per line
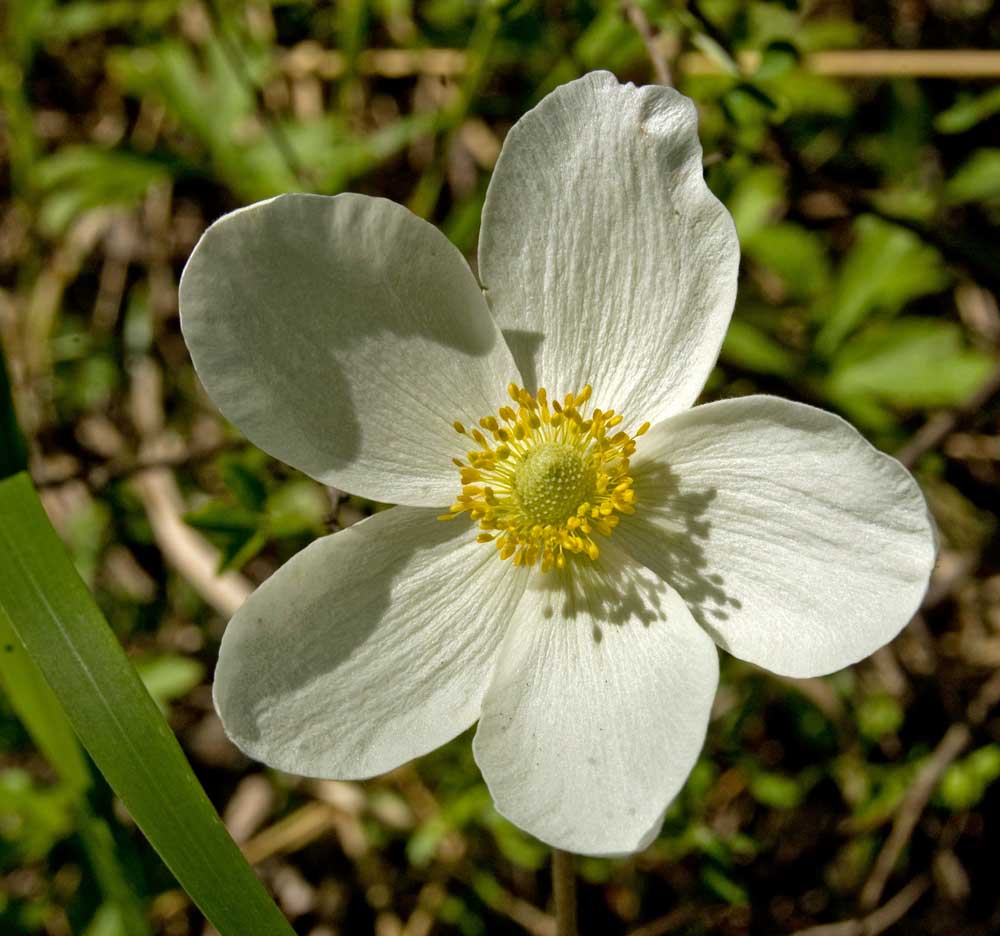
(867, 212)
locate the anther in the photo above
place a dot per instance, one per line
(555, 478)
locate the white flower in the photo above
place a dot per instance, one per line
(347, 337)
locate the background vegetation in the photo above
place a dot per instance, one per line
(866, 193)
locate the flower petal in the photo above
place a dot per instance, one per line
(605, 257)
(598, 707)
(798, 545)
(368, 648)
(344, 335)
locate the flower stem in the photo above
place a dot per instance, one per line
(564, 888)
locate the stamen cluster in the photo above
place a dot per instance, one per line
(545, 477)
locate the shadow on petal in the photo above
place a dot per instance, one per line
(673, 521)
(324, 669)
(336, 331)
(524, 346)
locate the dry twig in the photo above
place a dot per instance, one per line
(654, 49)
(564, 891)
(424, 916)
(667, 923)
(933, 432)
(292, 833)
(184, 549)
(98, 475)
(878, 921)
(190, 554)
(954, 741)
(871, 63)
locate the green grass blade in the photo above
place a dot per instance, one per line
(39, 709)
(36, 705)
(106, 867)
(58, 622)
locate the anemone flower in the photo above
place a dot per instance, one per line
(572, 539)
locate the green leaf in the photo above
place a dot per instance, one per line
(173, 73)
(796, 254)
(99, 844)
(960, 788)
(902, 200)
(891, 785)
(768, 23)
(77, 179)
(776, 790)
(297, 507)
(32, 818)
(169, 676)
(967, 111)
(804, 92)
(238, 552)
(723, 886)
(984, 762)
(748, 105)
(24, 24)
(82, 17)
(519, 848)
(220, 517)
(887, 267)
(777, 60)
(39, 709)
(608, 42)
(106, 922)
(965, 782)
(756, 200)
(119, 724)
(713, 50)
(879, 715)
(899, 149)
(829, 32)
(170, 72)
(250, 491)
(911, 362)
(977, 179)
(749, 347)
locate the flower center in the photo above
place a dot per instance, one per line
(551, 481)
(546, 477)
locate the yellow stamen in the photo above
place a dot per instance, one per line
(541, 488)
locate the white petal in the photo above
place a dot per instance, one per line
(605, 257)
(798, 545)
(368, 648)
(344, 335)
(598, 707)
